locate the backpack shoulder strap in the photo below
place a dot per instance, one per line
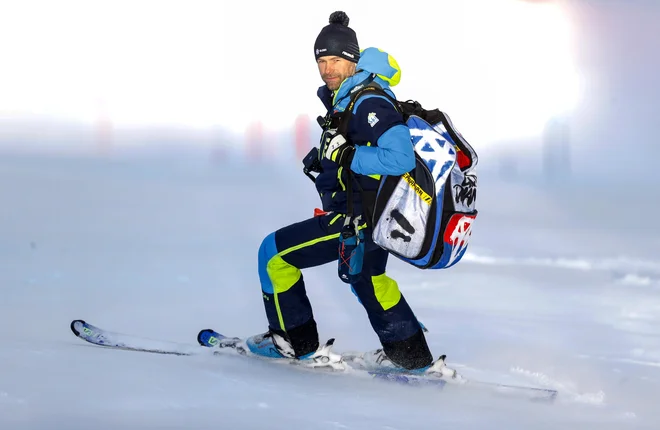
(368, 88)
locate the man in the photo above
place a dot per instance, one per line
(377, 142)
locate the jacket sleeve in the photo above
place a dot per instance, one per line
(376, 120)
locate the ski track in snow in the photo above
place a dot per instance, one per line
(568, 391)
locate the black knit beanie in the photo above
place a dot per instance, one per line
(337, 39)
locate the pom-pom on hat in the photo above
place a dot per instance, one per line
(337, 39)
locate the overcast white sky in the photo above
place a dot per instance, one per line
(500, 68)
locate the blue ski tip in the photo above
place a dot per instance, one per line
(209, 338)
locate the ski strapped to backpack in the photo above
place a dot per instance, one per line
(424, 217)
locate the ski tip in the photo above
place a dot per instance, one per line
(73, 326)
(209, 337)
(330, 342)
(201, 336)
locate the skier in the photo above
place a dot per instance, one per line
(376, 143)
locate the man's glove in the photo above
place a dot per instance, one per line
(337, 149)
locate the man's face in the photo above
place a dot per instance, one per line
(334, 70)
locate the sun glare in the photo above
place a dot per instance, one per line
(155, 63)
(527, 50)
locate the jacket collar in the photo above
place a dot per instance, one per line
(374, 65)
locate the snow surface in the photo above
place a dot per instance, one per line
(561, 289)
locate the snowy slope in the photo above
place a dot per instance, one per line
(561, 289)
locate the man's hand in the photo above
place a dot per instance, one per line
(337, 149)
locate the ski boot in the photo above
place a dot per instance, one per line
(272, 345)
(377, 361)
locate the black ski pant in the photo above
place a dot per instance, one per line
(314, 242)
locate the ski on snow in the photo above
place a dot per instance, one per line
(213, 343)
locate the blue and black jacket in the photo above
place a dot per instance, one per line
(376, 129)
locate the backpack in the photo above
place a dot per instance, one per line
(425, 216)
